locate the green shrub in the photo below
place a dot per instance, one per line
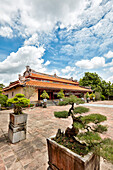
(31, 105)
(97, 95)
(102, 97)
(61, 114)
(81, 109)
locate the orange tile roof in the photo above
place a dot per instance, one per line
(16, 83)
(56, 86)
(46, 77)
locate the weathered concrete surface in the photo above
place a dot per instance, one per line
(31, 154)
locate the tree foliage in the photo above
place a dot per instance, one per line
(44, 95)
(19, 100)
(3, 99)
(97, 84)
(60, 94)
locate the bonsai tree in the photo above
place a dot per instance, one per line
(71, 100)
(92, 96)
(60, 94)
(44, 95)
(19, 100)
(84, 136)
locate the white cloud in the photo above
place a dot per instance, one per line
(29, 17)
(47, 63)
(109, 54)
(15, 63)
(111, 69)
(33, 40)
(94, 63)
(6, 32)
(68, 69)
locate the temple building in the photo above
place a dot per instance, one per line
(51, 83)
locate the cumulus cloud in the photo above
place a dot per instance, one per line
(39, 15)
(94, 63)
(109, 54)
(33, 40)
(15, 63)
(6, 32)
(68, 69)
(47, 63)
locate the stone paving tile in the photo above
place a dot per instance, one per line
(31, 154)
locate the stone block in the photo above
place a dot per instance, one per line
(18, 119)
(17, 136)
(21, 127)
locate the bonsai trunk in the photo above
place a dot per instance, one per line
(17, 110)
(70, 110)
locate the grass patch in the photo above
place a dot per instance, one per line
(81, 109)
(61, 114)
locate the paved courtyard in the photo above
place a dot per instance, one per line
(31, 154)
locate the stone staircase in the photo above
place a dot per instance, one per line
(52, 102)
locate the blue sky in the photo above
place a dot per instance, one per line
(67, 37)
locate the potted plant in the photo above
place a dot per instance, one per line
(87, 97)
(80, 146)
(92, 96)
(44, 95)
(18, 119)
(60, 94)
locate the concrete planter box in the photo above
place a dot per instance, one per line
(61, 158)
(17, 127)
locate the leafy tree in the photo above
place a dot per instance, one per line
(29, 91)
(44, 95)
(97, 84)
(60, 94)
(2, 85)
(3, 99)
(91, 79)
(19, 100)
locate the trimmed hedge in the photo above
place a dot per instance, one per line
(61, 114)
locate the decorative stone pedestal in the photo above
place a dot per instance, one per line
(62, 158)
(17, 127)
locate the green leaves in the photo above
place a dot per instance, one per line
(19, 100)
(60, 94)
(3, 99)
(81, 109)
(44, 95)
(94, 118)
(89, 137)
